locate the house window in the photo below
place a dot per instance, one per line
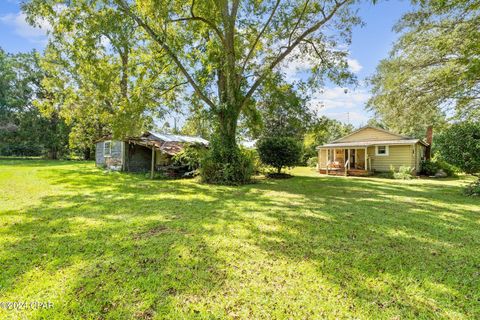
(107, 148)
(381, 151)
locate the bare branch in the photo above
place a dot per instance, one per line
(289, 49)
(164, 92)
(250, 52)
(124, 6)
(298, 22)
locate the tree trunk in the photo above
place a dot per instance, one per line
(86, 154)
(53, 153)
(226, 164)
(225, 134)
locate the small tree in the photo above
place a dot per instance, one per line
(460, 145)
(279, 152)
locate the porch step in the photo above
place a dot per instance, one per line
(341, 172)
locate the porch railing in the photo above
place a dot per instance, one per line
(346, 167)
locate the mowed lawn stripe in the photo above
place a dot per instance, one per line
(112, 245)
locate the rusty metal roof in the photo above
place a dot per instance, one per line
(174, 138)
(167, 143)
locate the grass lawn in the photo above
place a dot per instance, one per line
(102, 245)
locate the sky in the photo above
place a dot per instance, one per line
(370, 44)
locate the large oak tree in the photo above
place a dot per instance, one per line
(222, 51)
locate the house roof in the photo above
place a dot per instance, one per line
(371, 143)
(375, 128)
(168, 143)
(401, 140)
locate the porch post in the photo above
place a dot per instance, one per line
(366, 164)
(328, 159)
(334, 154)
(152, 168)
(348, 159)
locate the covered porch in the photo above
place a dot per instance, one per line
(344, 161)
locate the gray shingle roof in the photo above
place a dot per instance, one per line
(370, 143)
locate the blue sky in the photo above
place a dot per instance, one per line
(371, 43)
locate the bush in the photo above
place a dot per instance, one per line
(279, 152)
(190, 156)
(312, 162)
(431, 167)
(403, 173)
(473, 189)
(228, 167)
(449, 169)
(459, 145)
(258, 166)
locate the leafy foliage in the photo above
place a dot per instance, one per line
(429, 168)
(279, 152)
(432, 69)
(190, 156)
(223, 50)
(103, 77)
(403, 173)
(460, 145)
(283, 111)
(473, 189)
(312, 162)
(322, 131)
(258, 166)
(24, 131)
(236, 171)
(434, 165)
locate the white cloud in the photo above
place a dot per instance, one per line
(346, 107)
(354, 65)
(332, 98)
(352, 117)
(23, 29)
(295, 66)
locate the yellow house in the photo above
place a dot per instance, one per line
(369, 150)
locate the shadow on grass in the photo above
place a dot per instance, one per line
(146, 248)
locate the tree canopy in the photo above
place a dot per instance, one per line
(283, 110)
(432, 73)
(460, 145)
(24, 131)
(220, 52)
(279, 152)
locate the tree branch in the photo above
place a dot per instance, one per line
(298, 22)
(164, 92)
(250, 52)
(204, 20)
(124, 6)
(289, 49)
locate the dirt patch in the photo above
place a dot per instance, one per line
(151, 232)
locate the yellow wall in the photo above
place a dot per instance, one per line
(397, 156)
(322, 158)
(370, 134)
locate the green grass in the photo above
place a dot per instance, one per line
(102, 245)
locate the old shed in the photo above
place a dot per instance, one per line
(151, 151)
